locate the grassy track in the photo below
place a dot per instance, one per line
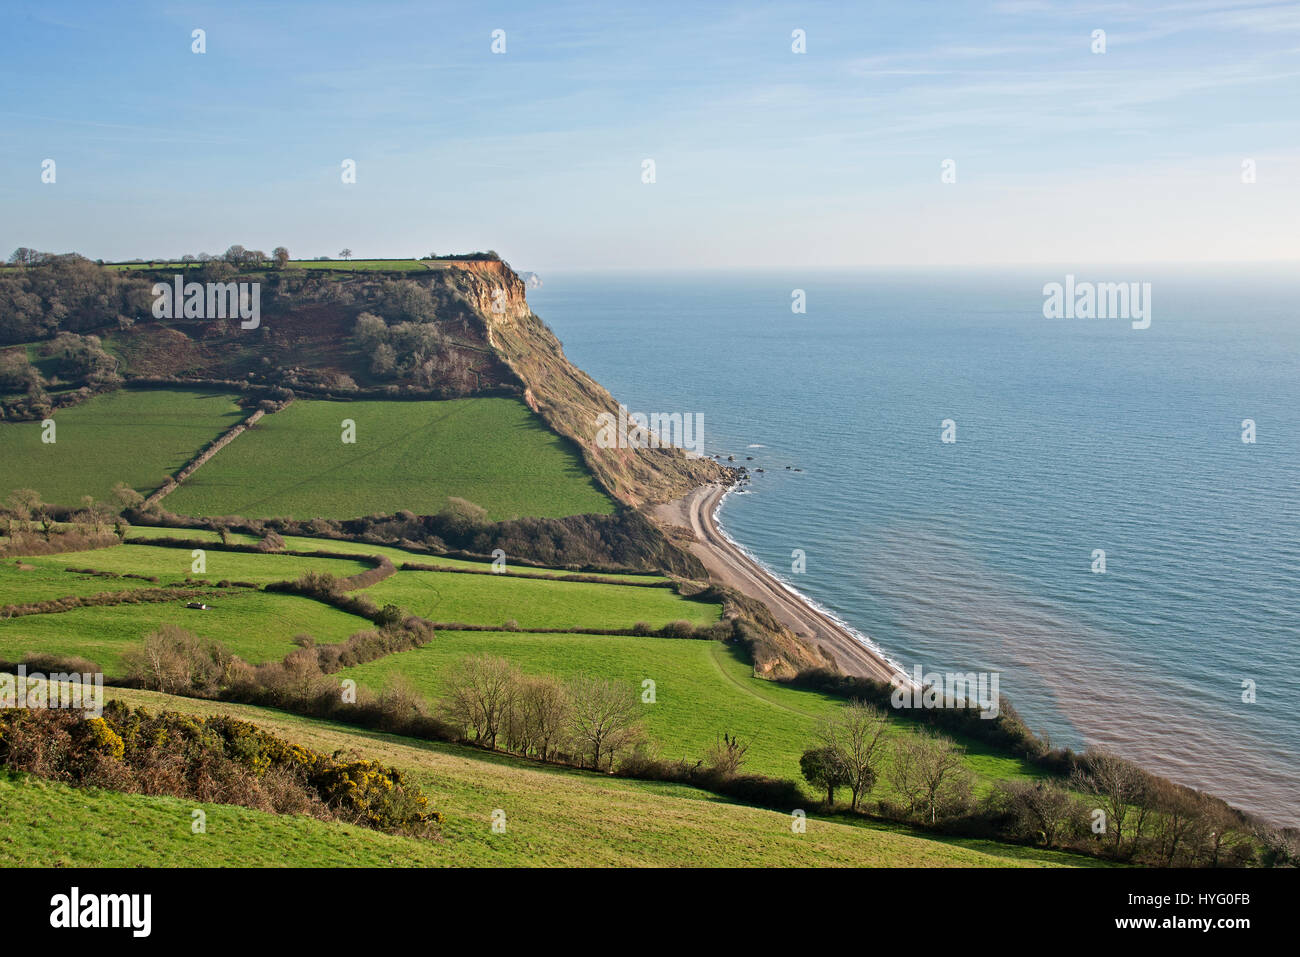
(136, 437)
(407, 455)
(554, 817)
(495, 599)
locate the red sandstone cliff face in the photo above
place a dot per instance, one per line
(494, 291)
(569, 399)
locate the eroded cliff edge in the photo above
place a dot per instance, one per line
(570, 400)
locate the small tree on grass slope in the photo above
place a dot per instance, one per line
(822, 768)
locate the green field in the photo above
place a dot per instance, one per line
(170, 565)
(496, 599)
(408, 455)
(22, 582)
(365, 265)
(554, 817)
(257, 626)
(193, 535)
(137, 437)
(49, 824)
(703, 689)
(336, 265)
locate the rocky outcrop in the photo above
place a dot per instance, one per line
(493, 290)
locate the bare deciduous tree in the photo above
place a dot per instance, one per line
(1181, 829)
(1124, 791)
(541, 716)
(95, 514)
(480, 694)
(22, 505)
(1043, 810)
(400, 702)
(929, 772)
(856, 733)
(605, 719)
(1228, 839)
(126, 496)
(174, 660)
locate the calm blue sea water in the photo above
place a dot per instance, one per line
(1072, 435)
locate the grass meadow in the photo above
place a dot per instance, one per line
(335, 265)
(171, 565)
(554, 817)
(408, 455)
(533, 603)
(703, 689)
(197, 535)
(22, 582)
(258, 626)
(139, 437)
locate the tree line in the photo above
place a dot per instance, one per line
(1106, 806)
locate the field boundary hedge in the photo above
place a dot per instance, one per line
(506, 573)
(285, 394)
(625, 542)
(136, 596)
(719, 631)
(213, 447)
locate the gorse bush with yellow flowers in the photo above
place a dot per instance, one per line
(216, 759)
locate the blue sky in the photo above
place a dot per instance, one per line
(763, 156)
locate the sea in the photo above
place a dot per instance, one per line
(1105, 512)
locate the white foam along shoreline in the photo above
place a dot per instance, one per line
(857, 635)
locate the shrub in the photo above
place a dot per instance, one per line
(726, 756)
(929, 772)
(220, 759)
(271, 542)
(176, 661)
(822, 768)
(389, 615)
(1040, 811)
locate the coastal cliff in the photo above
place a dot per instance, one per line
(570, 400)
(493, 290)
